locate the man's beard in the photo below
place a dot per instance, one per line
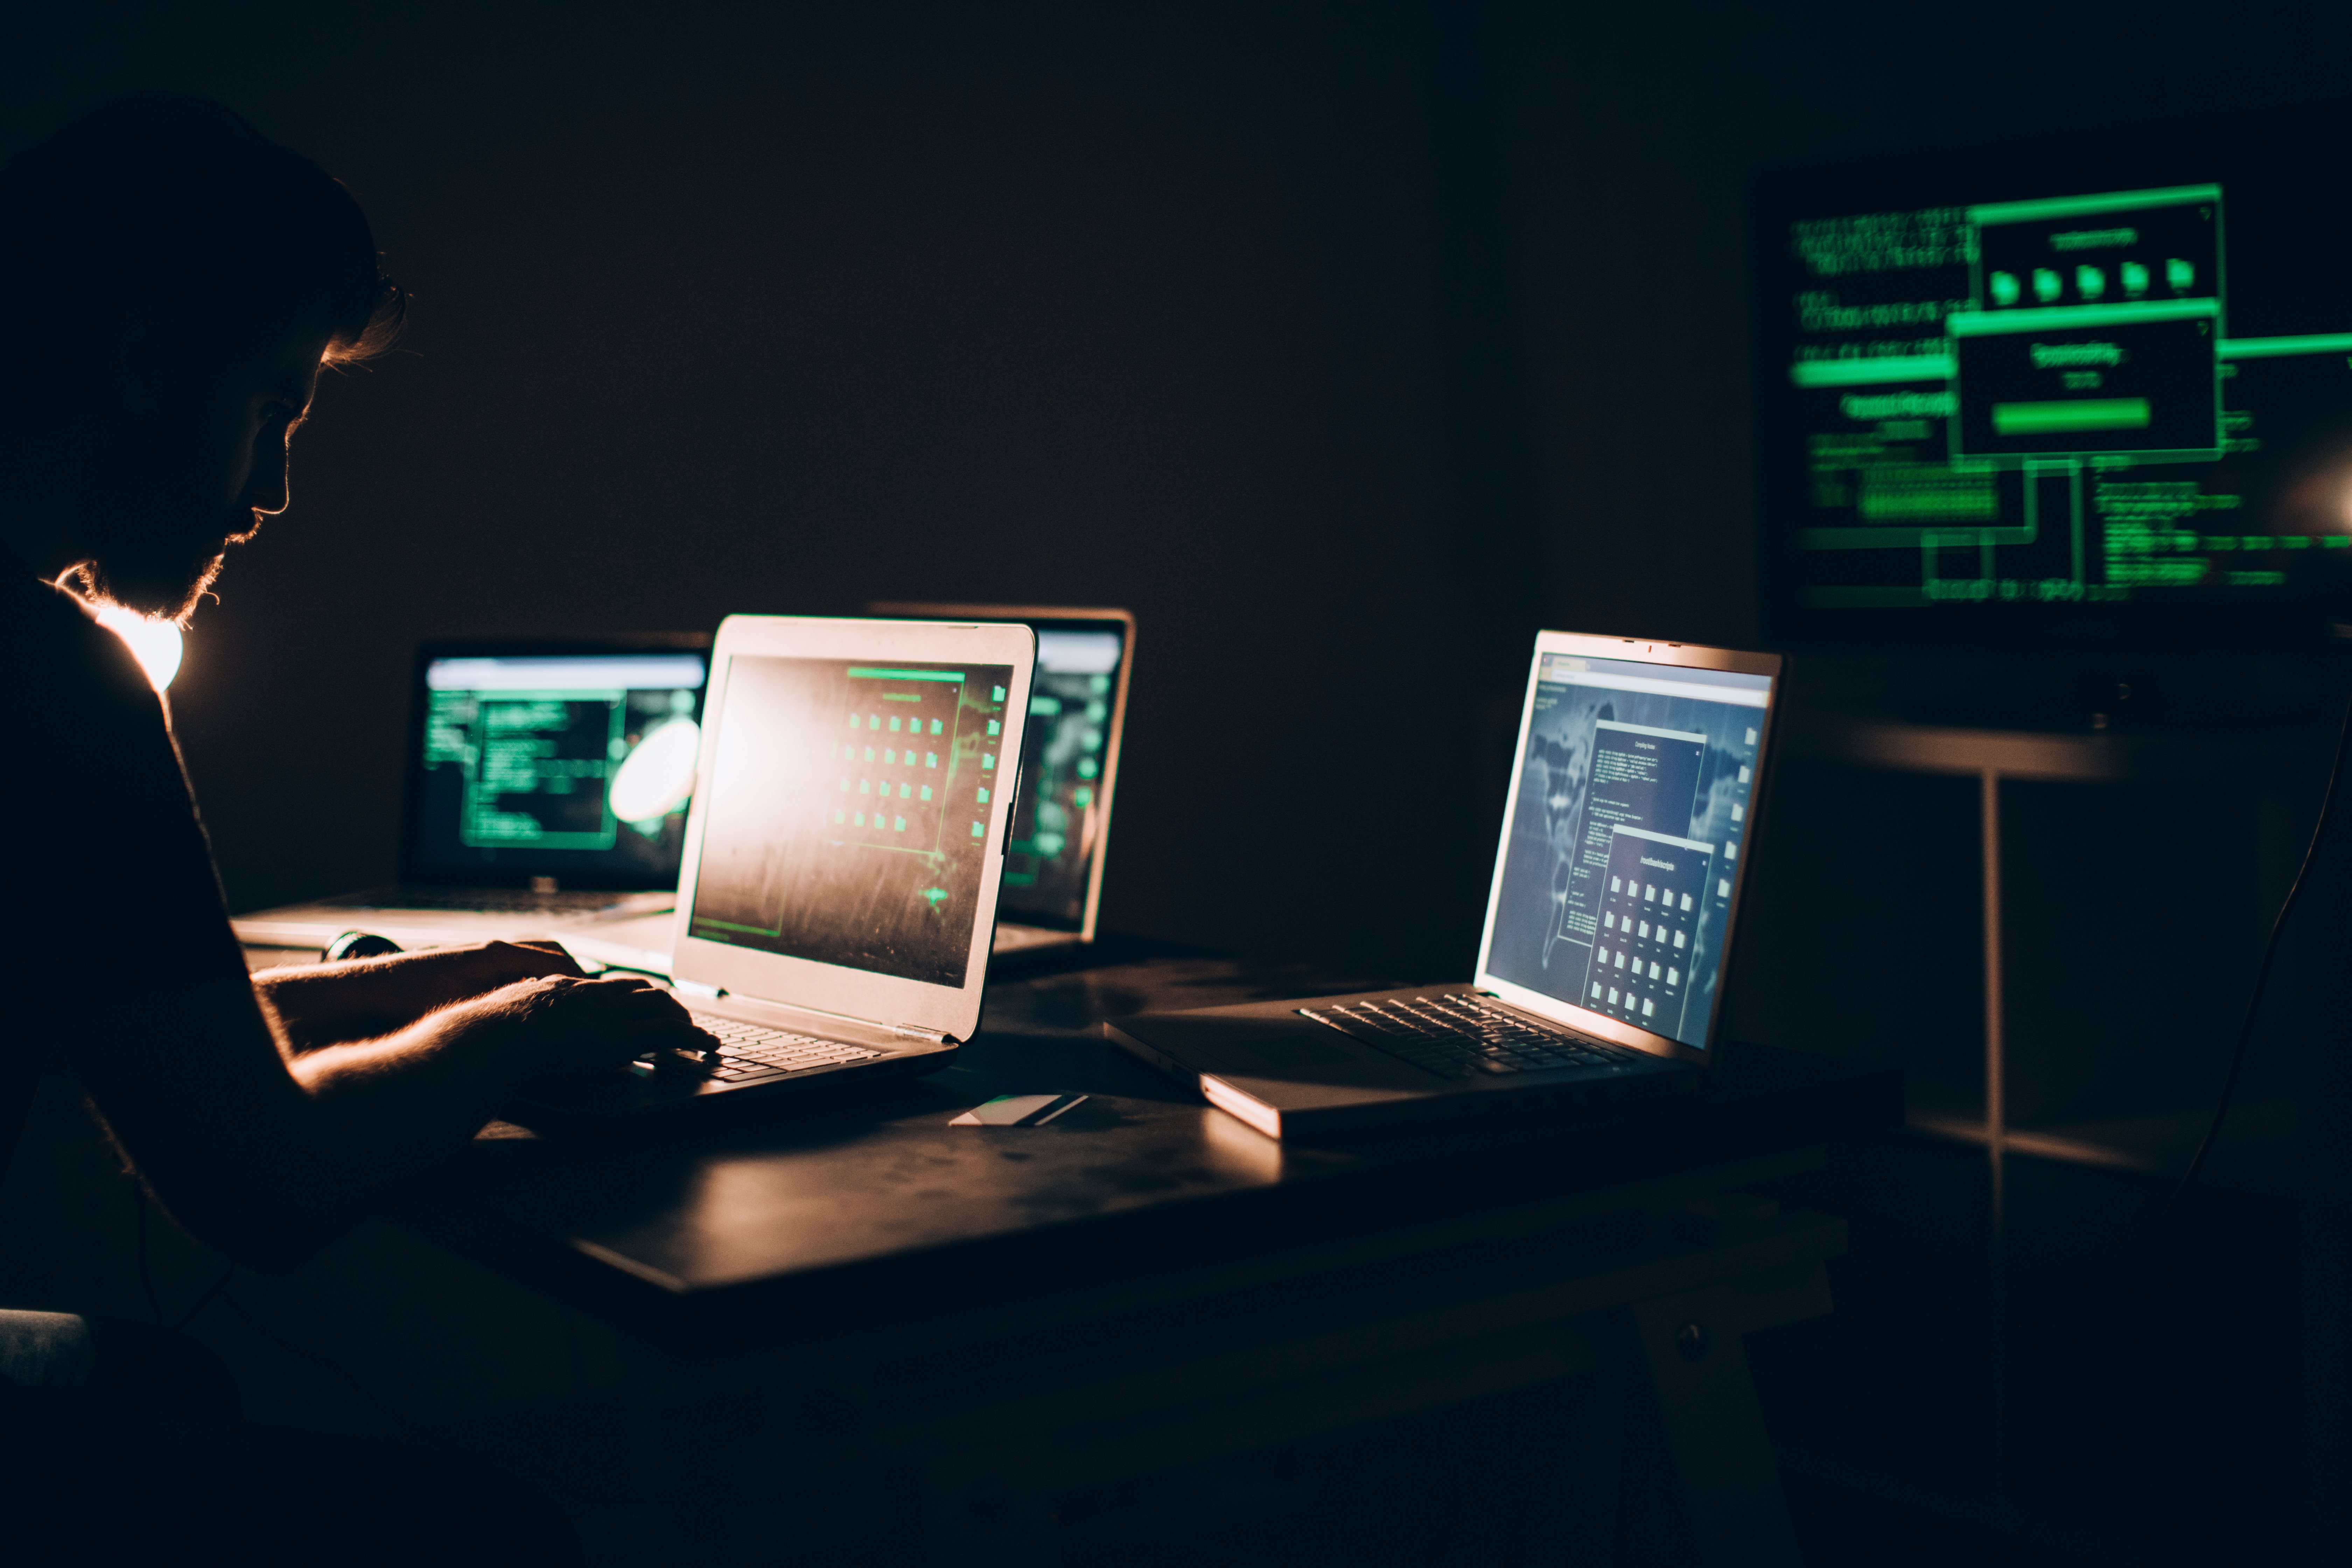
(163, 576)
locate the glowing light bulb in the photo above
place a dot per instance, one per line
(154, 644)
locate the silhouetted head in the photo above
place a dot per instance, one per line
(171, 282)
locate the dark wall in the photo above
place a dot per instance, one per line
(1346, 343)
(723, 308)
(1629, 133)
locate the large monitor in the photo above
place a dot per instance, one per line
(2083, 392)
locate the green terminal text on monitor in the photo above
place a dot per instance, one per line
(2041, 401)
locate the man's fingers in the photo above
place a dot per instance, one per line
(628, 997)
(536, 956)
(634, 986)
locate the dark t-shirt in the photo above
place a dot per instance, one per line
(113, 910)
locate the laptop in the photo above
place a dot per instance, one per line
(1609, 923)
(1069, 768)
(843, 857)
(546, 788)
(1061, 824)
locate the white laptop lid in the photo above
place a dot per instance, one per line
(846, 843)
(1632, 797)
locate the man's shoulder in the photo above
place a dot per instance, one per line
(51, 635)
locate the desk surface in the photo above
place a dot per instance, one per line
(875, 1207)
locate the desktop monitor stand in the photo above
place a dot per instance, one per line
(2172, 723)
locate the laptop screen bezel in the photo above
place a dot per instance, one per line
(413, 868)
(1679, 656)
(1055, 619)
(887, 1000)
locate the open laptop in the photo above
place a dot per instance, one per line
(1608, 924)
(546, 788)
(843, 856)
(1069, 767)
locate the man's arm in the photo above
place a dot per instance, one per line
(263, 1152)
(315, 1005)
(260, 1149)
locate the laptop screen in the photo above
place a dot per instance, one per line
(1057, 822)
(846, 819)
(1622, 843)
(576, 766)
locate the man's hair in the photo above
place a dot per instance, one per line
(172, 215)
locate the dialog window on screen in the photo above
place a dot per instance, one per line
(1624, 839)
(848, 812)
(2053, 394)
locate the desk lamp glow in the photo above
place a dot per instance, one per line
(154, 644)
(658, 776)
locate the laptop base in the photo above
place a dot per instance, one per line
(622, 1102)
(1290, 1076)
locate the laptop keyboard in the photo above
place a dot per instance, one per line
(747, 1051)
(1465, 1034)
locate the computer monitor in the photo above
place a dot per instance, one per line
(568, 765)
(2094, 392)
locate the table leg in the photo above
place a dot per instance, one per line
(1695, 1345)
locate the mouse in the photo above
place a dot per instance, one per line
(360, 944)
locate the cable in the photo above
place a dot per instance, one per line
(2270, 953)
(219, 1291)
(146, 1275)
(350, 1379)
(139, 1240)
(206, 1300)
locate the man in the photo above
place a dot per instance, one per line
(171, 284)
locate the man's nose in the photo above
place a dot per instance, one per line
(265, 491)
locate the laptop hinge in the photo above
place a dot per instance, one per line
(697, 988)
(917, 1032)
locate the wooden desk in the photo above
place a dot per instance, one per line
(856, 1286)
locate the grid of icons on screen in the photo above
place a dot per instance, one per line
(899, 785)
(1648, 940)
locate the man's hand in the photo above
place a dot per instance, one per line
(327, 1004)
(561, 1022)
(498, 1041)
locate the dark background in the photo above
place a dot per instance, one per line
(1345, 343)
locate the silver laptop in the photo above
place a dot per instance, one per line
(1061, 823)
(842, 856)
(1608, 924)
(546, 789)
(1069, 768)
